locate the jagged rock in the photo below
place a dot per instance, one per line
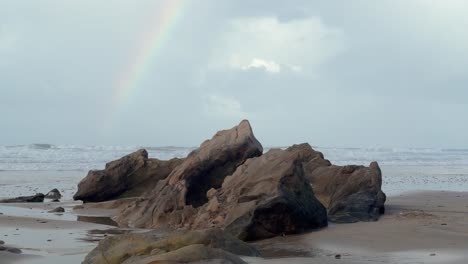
(351, 193)
(176, 247)
(129, 176)
(38, 198)
(57, 210)
(53, 194)
(176, 199)
(265, 197)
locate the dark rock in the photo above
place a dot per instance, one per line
(350, 193)
(337, 256)
(14, 250)
(57, 210)
(10, 249)
(53, 194)
(129, 176)
(55, 200)
(2, 242)
(159, 246)
(38, 198)
(175, 199)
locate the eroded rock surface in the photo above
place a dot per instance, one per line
(176, 199)
(129, 176)
(179, 247)
(351, 193)
(265, 197)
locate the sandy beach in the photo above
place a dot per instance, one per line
(418, 227)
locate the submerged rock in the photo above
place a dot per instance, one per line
(184, 247)
(38, 198)
(351, 193)
(53, 194)
(129, 176)
(175, 200)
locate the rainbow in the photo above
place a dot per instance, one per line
(170, 12)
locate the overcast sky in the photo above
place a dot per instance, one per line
(331, 73)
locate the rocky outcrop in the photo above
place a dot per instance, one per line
(176, 199)
(38, 198)
(179, 247)
(350, 193)
(53, 194)
(129, 176)
(265, 197)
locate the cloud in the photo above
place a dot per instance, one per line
(8, 39)
(223, 107)
(270, 44)
(269, 66)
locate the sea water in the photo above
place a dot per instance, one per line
(26, 169)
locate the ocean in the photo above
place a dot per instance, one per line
(36, 167)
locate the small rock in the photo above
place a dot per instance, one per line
(432, 254)
(57, 210)
(338, 256)
(55, 200)
(2, 242)
(38, 198)
(14, 250)
(444, 224)
(53, 194)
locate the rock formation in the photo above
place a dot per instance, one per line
(176, 198)
(350, 193)
(179, 247)
(129, 176)
(265, 197)
(228, 183)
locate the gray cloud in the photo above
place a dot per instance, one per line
(361, 73)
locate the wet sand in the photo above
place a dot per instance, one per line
(421, 227)
(50, 237)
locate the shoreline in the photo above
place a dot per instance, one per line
(416, 225)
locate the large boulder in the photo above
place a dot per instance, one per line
(37, 198)
(175, 200)
(177, 247)
(350, 193)
(129, 176)
(265, 197)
